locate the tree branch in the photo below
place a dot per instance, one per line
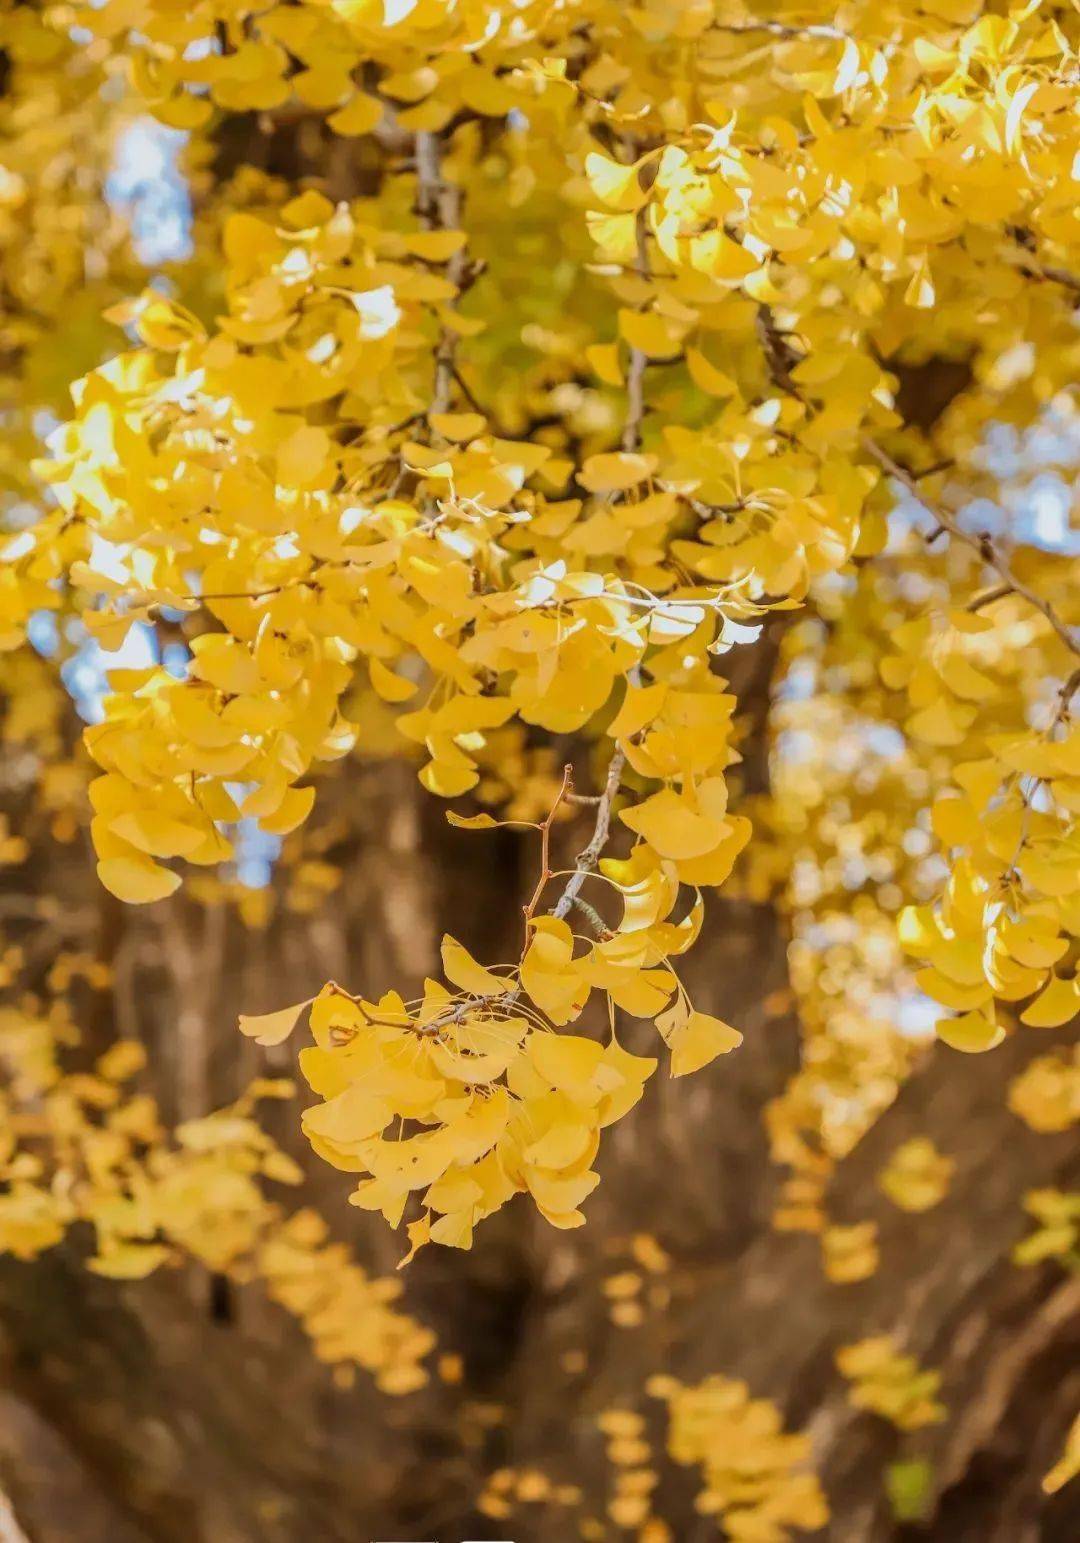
(439, 206)
(635, 374)
(589, 856)
(779, 29)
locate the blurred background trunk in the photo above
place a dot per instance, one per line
(185, 1408)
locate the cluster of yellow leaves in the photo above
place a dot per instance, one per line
(1057, 1228)
(756, 1481)
(890, 1384)
(639, 1287)
(64, 256)
(916, 1177)
(508, 1488)
(472, 1094)
(250, 474)
(831, 847)
(628, 1450)
(349, 1315)
(84, 1147)
(923, 139)
(1004, 926)
(1000, 937)
(1046, 1094)
(852, 818)
(434, 58)
(850, 1254)
(312, 486)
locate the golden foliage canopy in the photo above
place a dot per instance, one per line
(596, 354)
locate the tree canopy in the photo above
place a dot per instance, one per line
(652, 426)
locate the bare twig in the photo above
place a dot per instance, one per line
(1068, 690)
(631, 439)
(586, 861)
(635, 373)
(545, 848)
(779, 29)
(932, 470)
(990, 597)
(780, 357)
(593, 917)
(1030, 266)
(1052, 275)
(590, 855)
(439, 205)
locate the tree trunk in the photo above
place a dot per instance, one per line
(136, 1411)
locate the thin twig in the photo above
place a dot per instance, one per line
(1052, 275)
(1068, 690)
(780, 357)
(779, 29)
(1031, 268)
(935, 466)
(990, 597)
(586, 861)
(590, 855)
(439, 206)
(635, 373)
(588, 858)
(593, 917)
(631, 439)
(545, 848)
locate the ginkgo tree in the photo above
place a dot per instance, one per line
(574, 358)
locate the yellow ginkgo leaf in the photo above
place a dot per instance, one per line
(1057, 1003)
(615, 183)
(360, 116)
(640, 706)
(971, 1033)
(707, 377)
(419, 1234)
(295, 806)
(157, 834)
(448, 779)
(391, 687)
(566, 1061)
(128, 1261)
(615, 471)
(461, 968)
(137, 880)
(454, 1230)
(700, 1040)
(654, 336)
(471, 821)
(549, 974)
(349, 1118)
(303, 456)
(673, 826)
(603, 360)
(458, 426)
(272, 1028)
